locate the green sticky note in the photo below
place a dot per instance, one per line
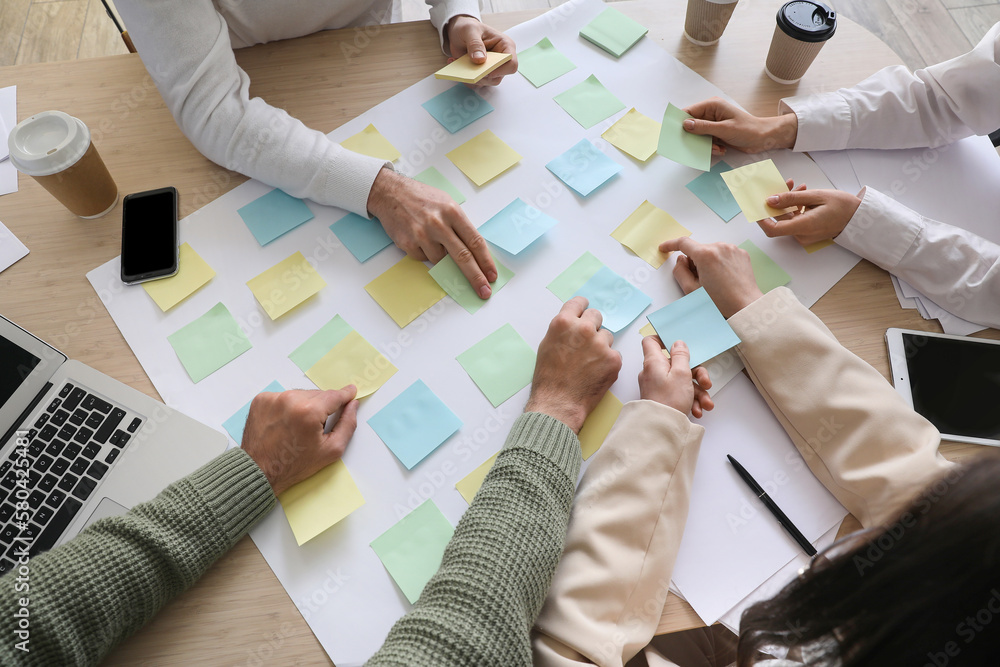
(434, 178)
(767, 272)
(451, 279)
(589, 102)
(209, 343)
(542, 63)
(316, 346)
(679, 145)
(500, 364)
(566, 284)
(613, 31)
(411, 550)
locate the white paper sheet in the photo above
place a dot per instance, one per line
(11, 248)
(335, 580)
(8, 115)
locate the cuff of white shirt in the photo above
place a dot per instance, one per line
(824, 121)
(882, 230)
(441, 14)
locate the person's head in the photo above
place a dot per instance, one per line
(924, 590)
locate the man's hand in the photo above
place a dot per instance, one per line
(428, 224)
(284, 432)
(670, 381)
(721, 268)
(575, 366)
(825, 214)
(731, 126)
(468, 35)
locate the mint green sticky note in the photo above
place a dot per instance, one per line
(209, 343)
(614, 32)
(434, 178)
(451, 279)
(500, 364)
(542, 63)
(696, 320)
(566, 284)
(316, 346)
(589, 102)
(411, 550)
(234, 425)
(679, 145)
(767, 272)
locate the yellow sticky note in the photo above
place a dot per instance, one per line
(752, 184)
(469, 485)
(464, 70)
(405, 291)
(352, 361)
(634, 134)
(192, 273)
(370, 141)
(819, 245)
(315, 504)
(484, 157)
(285, 285)
(647, 330)
(644, 231)
(598, 424)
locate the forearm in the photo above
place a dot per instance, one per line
(856, 434)
(628, 518)
(479, 607)
(89, 594)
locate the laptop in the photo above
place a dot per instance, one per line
(79, 446)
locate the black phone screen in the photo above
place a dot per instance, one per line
(149, 234)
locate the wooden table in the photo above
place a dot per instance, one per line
(239, 613)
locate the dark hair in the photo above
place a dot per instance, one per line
(922, 591)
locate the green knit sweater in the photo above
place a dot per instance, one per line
(89, 594)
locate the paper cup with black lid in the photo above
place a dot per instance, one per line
(803, 27)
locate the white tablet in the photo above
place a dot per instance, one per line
(953, 381)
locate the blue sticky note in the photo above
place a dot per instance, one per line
(713, 191)
(619, 301)
(414, 424)
(274, 214)
(363, 237)
(457, 107)
(234, 425)
(584, 168)
(695, 320)
(516, 226)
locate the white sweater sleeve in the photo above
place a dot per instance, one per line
(895, 108)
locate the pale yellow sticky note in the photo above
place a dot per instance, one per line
(192, 273)
(469, 485)
(599, 424)
(370, 141)
(352, 361)
(634, 134)
(647, 330)
(819, 245)
(752, 184)
(484, 157)
(405, 291)
(315, 504)
(285, 285)
(644, 231)
(464, 70)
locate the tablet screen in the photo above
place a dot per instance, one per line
(955, 384)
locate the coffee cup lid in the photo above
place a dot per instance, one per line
(47, 143)
(807, 21)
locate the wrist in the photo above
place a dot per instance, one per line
(382, 187)
(573, 415)
(784, 130)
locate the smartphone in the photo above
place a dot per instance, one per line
(953, 381)
(149, 235)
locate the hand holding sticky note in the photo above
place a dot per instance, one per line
(465, 71)
(752, 184)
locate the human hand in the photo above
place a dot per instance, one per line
(284, 432)
(825, 214)
(671, 381)
(721, 268)
(731, 126)
(428, 224)
(575, 366)
(472, 36)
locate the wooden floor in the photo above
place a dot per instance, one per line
(922, 32)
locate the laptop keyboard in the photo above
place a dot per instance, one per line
(71, 447)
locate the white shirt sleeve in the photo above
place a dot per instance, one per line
(443, 11)
(895, 108)
(956, 269)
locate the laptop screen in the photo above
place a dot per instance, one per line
(16, 365)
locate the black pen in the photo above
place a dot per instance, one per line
(773, 508)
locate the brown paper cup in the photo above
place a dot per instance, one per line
(86, 188)
(706, 21)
